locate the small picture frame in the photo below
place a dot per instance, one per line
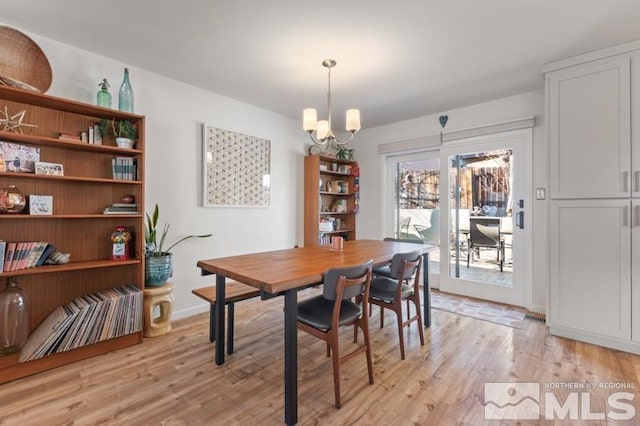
(41, 204)
(51, 169)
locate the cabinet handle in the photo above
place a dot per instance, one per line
(636, 175)
(625, 180)
(636, 216)
(625, 216)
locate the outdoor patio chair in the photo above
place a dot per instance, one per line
(484, 233)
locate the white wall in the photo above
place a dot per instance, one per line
(174, 112)
(372, 165)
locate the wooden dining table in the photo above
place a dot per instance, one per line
(285, 272)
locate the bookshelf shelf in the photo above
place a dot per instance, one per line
(71, 266)
(17, 175)
(67, 216)
(36, 140)
(77, 225)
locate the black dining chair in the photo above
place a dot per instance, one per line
(484, 233)
(390, 292)
(385, 270)
(323, 315)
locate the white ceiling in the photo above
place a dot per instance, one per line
(396, 59)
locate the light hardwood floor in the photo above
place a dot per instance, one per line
(172, 380)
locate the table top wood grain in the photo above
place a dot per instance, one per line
(281, 270)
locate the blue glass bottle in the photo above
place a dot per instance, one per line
(125, 96)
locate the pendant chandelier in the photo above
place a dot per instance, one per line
(323, 133)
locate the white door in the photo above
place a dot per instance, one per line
(412, 201)
(485, 250)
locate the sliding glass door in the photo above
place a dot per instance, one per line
(414, 201)
(472, 199)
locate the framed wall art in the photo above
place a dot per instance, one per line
(236, 169)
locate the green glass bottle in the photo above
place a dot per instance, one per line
(104, 97)
(125, 96)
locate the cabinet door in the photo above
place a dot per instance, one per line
(635, 125)
(589, 130)
(590, 266)
(635, 272)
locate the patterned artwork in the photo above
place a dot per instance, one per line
(236, 169)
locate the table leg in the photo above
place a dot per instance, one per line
(219, 314)
(426, 290)
(291, 356)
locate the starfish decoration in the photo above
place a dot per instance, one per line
(14, 122)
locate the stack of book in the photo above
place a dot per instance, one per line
(15, 256)
(86, 320)
(121, 208)
(124, 168)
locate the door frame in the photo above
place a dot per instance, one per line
(522, 278)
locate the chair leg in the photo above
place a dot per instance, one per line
(408, 313)
(365, 332)
(469, 255)
(328, 350)
(381, 317)
(336, 372)
(416, 302)
(400, 331)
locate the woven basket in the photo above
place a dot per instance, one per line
(22, 62)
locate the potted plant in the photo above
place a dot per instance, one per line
(124, 131)
(344, 153)
(158, 261)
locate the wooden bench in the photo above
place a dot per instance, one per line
(234, 292)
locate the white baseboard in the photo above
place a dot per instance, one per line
(539, 309)
(596, 339)
(189, 312)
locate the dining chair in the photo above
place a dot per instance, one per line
(484, 233)
(385, 270)
(390, 292)
(323, 315)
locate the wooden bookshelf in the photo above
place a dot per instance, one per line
(321, 199)
(77, 225)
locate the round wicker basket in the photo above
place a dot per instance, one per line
(22, 63)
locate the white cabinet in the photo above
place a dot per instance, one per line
(591, 267)
(593, 119)
(589, 129)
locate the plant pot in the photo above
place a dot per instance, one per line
(125, 143)
(157, 270)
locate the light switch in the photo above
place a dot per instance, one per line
(539, 193)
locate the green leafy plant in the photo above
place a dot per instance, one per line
(120, 129)
(152, 246)
(344, 153)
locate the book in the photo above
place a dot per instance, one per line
(11, 248)
(45, 254)
(17, 256)
(34, 255)
(3, 246)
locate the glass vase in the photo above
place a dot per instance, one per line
(12, 200)
(125, 95)
(14, 318)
